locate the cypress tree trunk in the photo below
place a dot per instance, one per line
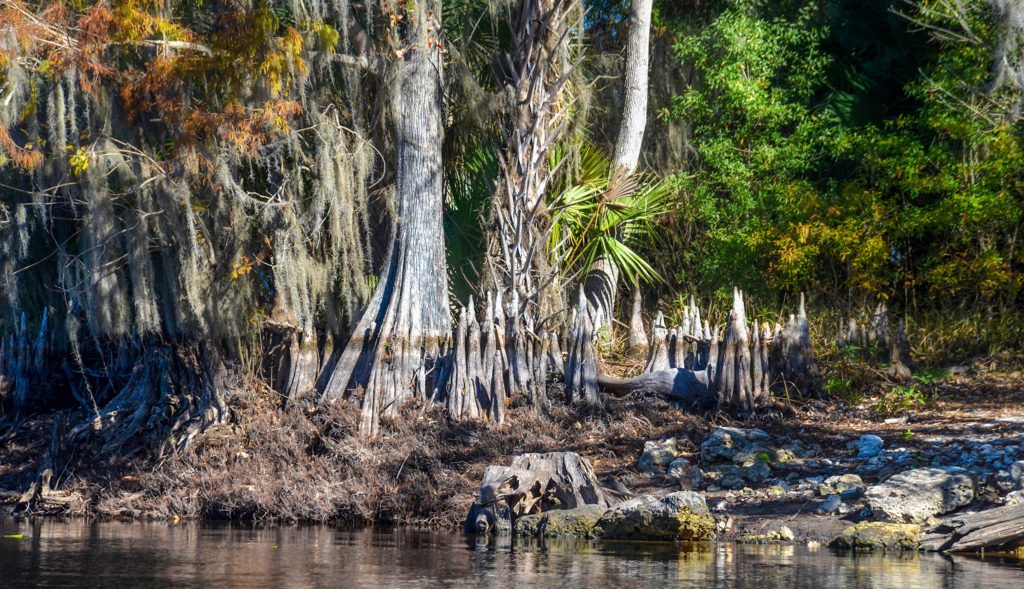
(602, 281)
(396, 349)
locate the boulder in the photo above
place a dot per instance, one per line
(832, 504)
(682, 515)
(844, 484)
(1017, 474)
(560, 523)
(737, 446)
(680, 469)
(758, 472)
(870, 536)
(869, 446)
(913, 496)
(658, 455)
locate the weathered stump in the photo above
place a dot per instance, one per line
(581, 365)
(637, 339)
(793, 356)
(533, 483)
(901, 365)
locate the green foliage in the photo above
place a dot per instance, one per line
(901, 398)
(471, 186)
(755, 129)
(598, 213)
(844, 389)
(841, 153)
(930, 376)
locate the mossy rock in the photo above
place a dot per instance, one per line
(878, 536)
(680, 516)
(560, 523)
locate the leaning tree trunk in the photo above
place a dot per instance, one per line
(602, 281)
(399, 343)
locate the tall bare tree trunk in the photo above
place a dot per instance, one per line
(535, 75)
(602, 281)
(397, 347)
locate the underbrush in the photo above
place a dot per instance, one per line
(304, 461)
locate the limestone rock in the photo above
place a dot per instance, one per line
(831, 504)
(760, 471)
(679, 468)
(869, 446)
(841, 484)
(682, 515)
(869, 536)
(915, 495)
(560, 523)
(1015, 497)
(738, 446)
(1017, 474)
(658, 455)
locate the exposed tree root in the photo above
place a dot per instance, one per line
(174, 393)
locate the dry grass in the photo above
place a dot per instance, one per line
(305, 462)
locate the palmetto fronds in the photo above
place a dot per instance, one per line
(600, 212)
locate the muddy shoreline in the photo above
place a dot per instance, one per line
(305, 463)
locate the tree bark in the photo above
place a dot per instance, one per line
(403, 334)
(637, 337)
(1000, 526)
(581, 365)
(602, 281)
(658, 358)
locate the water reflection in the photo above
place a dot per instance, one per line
(117, 554)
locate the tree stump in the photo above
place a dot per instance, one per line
(531, 484)
(637, 336)
(901, 365)
(581, 366)
(793, 356)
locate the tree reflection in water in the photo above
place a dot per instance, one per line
(80, 553)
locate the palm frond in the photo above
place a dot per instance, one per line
(599, 212)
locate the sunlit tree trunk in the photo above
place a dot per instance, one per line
(396, 349)
(602, 281)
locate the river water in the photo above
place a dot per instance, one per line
(80, 553)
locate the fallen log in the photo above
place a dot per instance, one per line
(997, 527)
(674, 383)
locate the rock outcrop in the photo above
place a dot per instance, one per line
(560, 523)
(913, 496)
(872, 536)
(679, 516)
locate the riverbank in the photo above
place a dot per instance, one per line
(304, 462)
